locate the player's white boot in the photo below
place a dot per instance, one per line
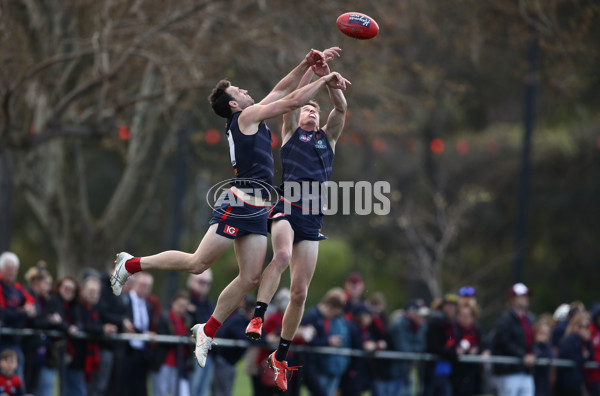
(120, 275)
(203, 343)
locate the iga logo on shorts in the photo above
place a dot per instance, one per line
(251, 198)
(230, 230)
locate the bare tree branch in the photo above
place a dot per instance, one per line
(136, 43)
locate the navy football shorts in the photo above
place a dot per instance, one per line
(306, 226)
(240, 219)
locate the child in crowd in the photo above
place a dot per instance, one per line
(10, 383)
(542, 347)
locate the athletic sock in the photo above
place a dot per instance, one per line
(260, 309)
(133, 265)
(211, 327)
(282, 349)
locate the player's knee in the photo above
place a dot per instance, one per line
(298, 296)
(282, 258)
(251, 281)
(198, 266)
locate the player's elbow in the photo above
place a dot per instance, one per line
(340, 105)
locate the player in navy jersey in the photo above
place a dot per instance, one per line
(307, 153)
(244, 225)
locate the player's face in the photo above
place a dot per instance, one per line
(309, 117)
(240, 96)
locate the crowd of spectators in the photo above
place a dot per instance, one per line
(447, 327)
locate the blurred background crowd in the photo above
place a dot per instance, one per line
(345, 317)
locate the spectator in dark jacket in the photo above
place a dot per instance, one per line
(354, 287)
(331, 329)
(514, 337)
(172, 361)
(542, 348)
(39, 282)
(466, 377)
(63, 302)
(90, 323)
(16, 306)
(111, 310)
(440, 339)
(574, 346)
(405, 334)
(558, 331)
(201, 307)
(137, 357)
(54, 347)
(364, 335)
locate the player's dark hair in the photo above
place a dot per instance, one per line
(219, 99)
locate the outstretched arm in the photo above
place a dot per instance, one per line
(291, 81)
(252, 116)
(291, 119)
(337, 116)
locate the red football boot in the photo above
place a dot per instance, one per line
(280, 369)
(254, 328)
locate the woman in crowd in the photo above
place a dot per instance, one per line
(62, 306)
(365, 335)
(88, 350)
(466, 377)
(39, 284)
(575, 345)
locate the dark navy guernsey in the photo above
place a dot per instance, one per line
(307, 157)
(251, 156)
(252, 161)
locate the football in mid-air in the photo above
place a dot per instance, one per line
(357, 25)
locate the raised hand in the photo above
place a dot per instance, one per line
(336, 81)
(321, 69)
(315, 57)
(331, 53)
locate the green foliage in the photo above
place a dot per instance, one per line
(334, 263)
